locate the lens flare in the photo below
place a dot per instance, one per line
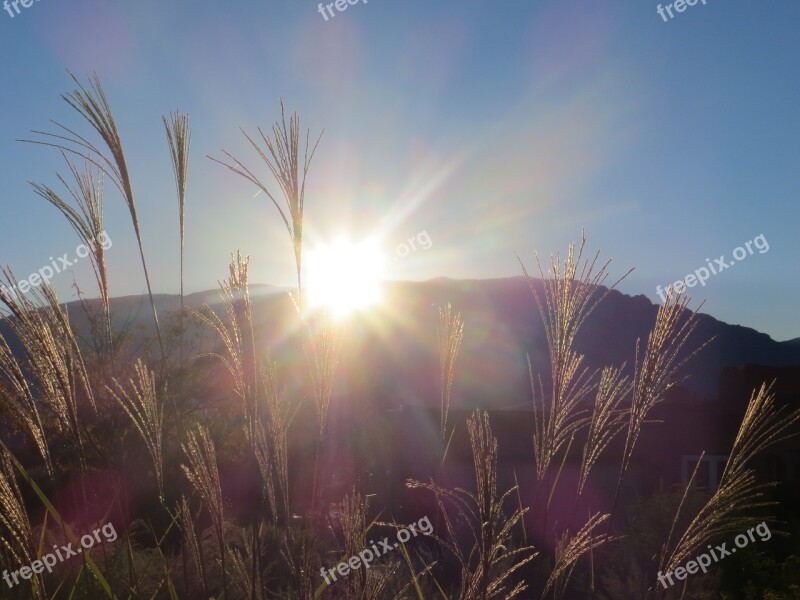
(344, 276)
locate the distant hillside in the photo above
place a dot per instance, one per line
(393, 356)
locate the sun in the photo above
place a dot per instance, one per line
(344, 276)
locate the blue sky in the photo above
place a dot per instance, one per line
(495, 127)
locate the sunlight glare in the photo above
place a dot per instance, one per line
(344, 276)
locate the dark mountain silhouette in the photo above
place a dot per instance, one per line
(393, 356)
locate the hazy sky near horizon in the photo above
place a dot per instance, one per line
(494, 127)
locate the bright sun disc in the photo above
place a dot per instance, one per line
(344, 277)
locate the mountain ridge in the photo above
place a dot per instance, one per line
(502, 327)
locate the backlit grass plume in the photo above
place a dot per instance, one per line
(86, 219)
(571, 291)
(666, 353)
(179, 138)
(280, 152)
(236, 334)
(202, 472)
(738, 493)
(272, 449)
(51, 354)
(323, 337)
(364, 584)
(191, 543)
(488, 565)
(16, 534)
(18, 403)
(451, 333)
(91, 104)
(299, 554)
(353, 523)
(145, 408)
(607, 419)
(569, 550)
(266, 461)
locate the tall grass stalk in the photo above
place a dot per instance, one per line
(17, 397)
(451, 333)
(280, 152)
(91, 104)
(191, 542)
(666, 353)
(569, 550)
(607, 421)
(571, 292)
(247, 579)
(51, 354)
(323, 344)
(179, 139)
(145, 409)
(273, 446)
(729, 509)
(299, 553)
(488, 565)
(87, 221)
(17, 534)
(202, 472)
(236, 335)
